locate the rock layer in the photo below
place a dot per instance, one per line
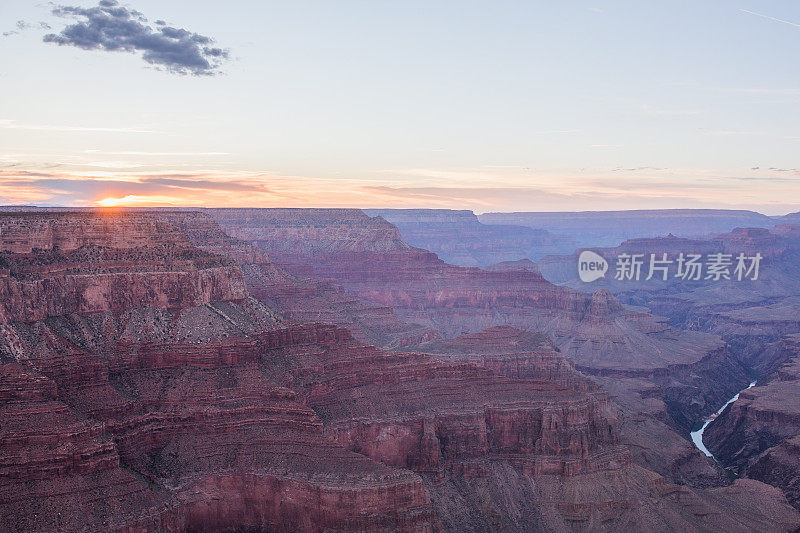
(194, 406)
(148, 410)
(759, 434)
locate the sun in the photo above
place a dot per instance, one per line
(135, 200)
(114, 202)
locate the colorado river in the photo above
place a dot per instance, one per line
(697, 436)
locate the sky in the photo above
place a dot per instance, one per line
(483, 105)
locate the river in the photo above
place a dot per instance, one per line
(697, 436)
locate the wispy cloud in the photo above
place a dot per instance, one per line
(771, 18)
(23, 26)
(113, 164)
(14, 125)
(160, 154)
(487, 188)
(656, 111)
(732, 133)
(114, 28)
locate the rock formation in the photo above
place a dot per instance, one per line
(298, 297)
(594, 331)
(144, 388)
(747, 314)
(131, 408)
(758, 436)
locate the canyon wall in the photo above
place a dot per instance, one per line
(196, 406)
(595, 331)
(142, 412)
(758, 435)
(298, 297)
(748, 314)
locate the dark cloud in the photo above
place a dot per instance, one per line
(114, 28)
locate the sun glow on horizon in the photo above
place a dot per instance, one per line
(135, 200)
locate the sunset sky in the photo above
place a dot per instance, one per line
(484, 105)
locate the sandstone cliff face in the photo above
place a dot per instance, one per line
(21, 232)
(498, 453)
(413, 411)
(594, 331)
(298, 298)
(60, 471)
(746, 314)
(678, 370)
(137, 412)
(219, 414)
(86, 262)
(512, 353)
(301, 232)
(758, 435)
(643, 410)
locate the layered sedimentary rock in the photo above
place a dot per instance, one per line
(669, 379)
(137, 409)
(512, 353)
(68, 230)
(540, 450)
(521, 264)
(759, 435)
(643, 413)
(195, 406)
(459, 238)
(748, 314)
(595, 331)
(60, 471)
(298, 297)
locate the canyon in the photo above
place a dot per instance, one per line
(309, 370)
(610, 228)
(758, 436)
(459, 238)
(596, 332)
(747, 314)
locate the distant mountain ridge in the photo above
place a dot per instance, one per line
(610, 228)
(458, 237)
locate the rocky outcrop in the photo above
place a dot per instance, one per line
(512, 353)
(644, 412)
(140, 413)
(503, 453)
(419, 413)
(213, 412)
(298, 233)
(60, 471)
(55, 264)
(298, 298)
(522, 264)
(757, 436)
(24, 231)
(600, 336)
(748, 314)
